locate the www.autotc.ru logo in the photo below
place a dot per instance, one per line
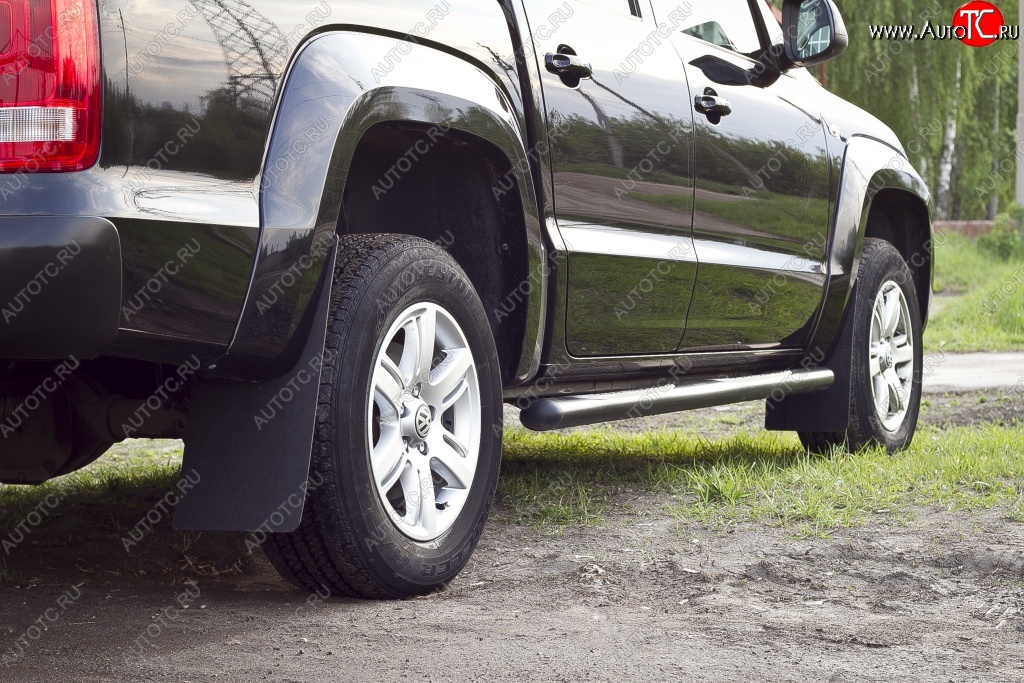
(979, 24)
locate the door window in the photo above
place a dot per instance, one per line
(728, 24)
(626, 7)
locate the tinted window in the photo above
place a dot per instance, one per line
(628, 7)
(726, 23)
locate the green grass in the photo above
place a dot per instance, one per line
(121, 486)
(555, 481)
(988, 313)
(960, 267)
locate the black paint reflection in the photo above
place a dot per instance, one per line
(202, 80)
(618, 139)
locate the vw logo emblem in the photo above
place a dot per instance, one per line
(422, 423)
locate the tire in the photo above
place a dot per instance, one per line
(405, 461)
(887, 357)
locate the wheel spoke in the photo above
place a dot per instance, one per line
(426, 333)
(904, 353)
(420, 505)
(895, 390)
(881, 391)
(877, 323)
(450, 458)
(411, 489)
(876, 360)
(891, 316)
(388, 387)
(389, 458)
(428, 504)
(448, 380)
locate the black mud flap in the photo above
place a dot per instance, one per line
(827, 410)
(248, 445)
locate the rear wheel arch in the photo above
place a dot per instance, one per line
(322, 121)
(463, 193)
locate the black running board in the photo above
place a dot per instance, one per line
(562, 412)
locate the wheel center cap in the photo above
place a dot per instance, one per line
(421, 421)
(890, 357)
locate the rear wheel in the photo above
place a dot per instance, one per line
(885, 392)
(408, 435)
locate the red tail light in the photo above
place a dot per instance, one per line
(50, 95)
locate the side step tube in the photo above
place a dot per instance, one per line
(547, 414)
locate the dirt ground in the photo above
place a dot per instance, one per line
(939, 598)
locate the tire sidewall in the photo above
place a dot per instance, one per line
(421, 274)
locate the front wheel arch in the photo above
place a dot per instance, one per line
(901, 219)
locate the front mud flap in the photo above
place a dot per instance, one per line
(248, 445)
(827, 410)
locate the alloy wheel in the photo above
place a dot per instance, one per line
(891, 356)
(424, 422)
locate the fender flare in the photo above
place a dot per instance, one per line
(869, 166)
(334, 92)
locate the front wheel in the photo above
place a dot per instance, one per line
(408, 433)
(885, 392)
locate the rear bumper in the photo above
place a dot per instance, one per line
(60, 286)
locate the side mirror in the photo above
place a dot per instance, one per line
(814, 32)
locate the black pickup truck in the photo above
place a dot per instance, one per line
(325, 242)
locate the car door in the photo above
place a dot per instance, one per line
(621, 141)
(762, 209)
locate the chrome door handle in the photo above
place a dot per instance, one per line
(712, 104)
(567, 65)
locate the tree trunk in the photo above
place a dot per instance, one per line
(1020, 114)
(915, 112)
(942, 199)
(993, 202)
